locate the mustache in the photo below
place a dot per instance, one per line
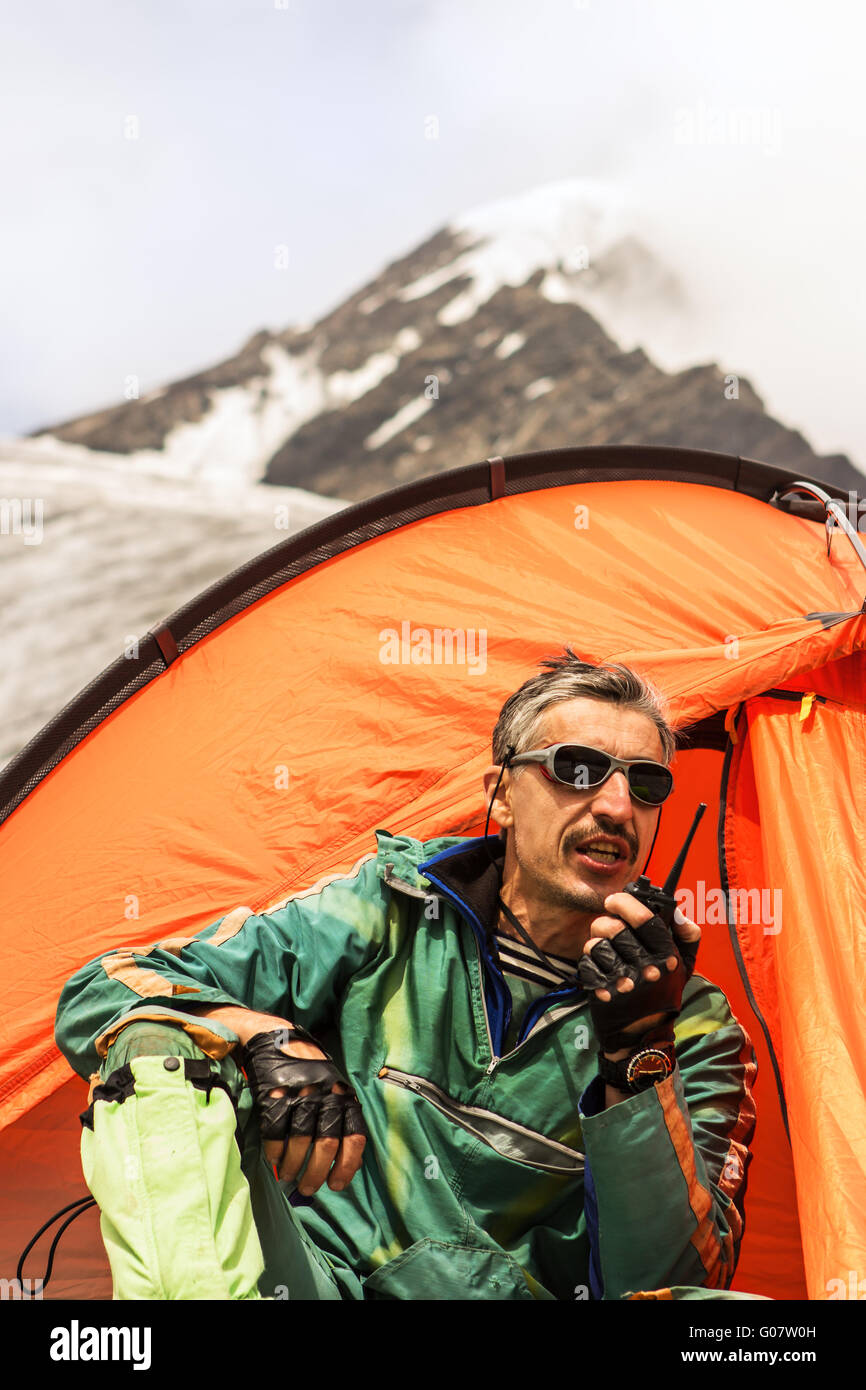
(581, 838)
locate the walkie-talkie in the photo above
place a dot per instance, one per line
(661, 901)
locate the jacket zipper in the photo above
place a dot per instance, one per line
(467, 912)
(462, 907)
(538, 1027)
(464, 1115)
(494, 1059)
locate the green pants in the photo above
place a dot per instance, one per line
(190, 1208)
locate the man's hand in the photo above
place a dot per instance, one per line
(344, 1151)
(685, 938)
(288, 1156)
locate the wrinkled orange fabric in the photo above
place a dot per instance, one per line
(813, 773)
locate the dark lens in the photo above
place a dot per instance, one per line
(580, 767)
(650, 782)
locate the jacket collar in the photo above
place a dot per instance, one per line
(469, 873)
(466, 874)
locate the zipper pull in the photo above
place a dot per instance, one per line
(492, 1066)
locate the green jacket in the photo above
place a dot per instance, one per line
(484, 1176)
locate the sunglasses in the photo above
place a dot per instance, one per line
(577, 766)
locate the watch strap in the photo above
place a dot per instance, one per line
(648, 1064)
(652, 1058)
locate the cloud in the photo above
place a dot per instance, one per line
(305, 126)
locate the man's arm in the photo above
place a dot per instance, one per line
(666, 1169)
(291, 964)
(244, 975)
(247, 1022)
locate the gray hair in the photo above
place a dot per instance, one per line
(568, 678)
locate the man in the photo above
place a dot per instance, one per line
(554, 1105)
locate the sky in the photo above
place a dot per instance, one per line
(154, 156)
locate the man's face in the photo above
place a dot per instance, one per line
(551, 826)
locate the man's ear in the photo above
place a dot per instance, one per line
(490, 777)
(500, 810)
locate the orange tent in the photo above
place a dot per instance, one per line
(349, 679)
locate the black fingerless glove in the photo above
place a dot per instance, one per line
(323, 1114)
(625, 956)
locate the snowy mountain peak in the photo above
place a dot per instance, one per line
(547, 222)
(438, 359)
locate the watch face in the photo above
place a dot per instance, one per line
(648, 1066)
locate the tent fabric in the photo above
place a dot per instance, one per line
(264, 757)
(810, 761)
(470, 486)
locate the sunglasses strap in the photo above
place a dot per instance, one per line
(545, 960)
(509, 755)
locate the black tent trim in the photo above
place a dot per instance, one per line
(469, 486)
(725, 882)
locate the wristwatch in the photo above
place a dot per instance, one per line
(649, 1063)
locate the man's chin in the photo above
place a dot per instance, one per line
(582, 879)
(579, 894)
